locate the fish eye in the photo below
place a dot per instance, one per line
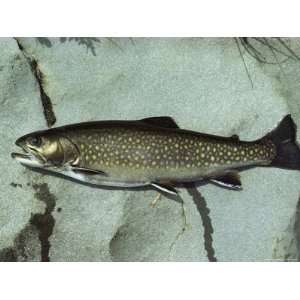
(35, 141)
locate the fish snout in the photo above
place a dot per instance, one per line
(21, 142)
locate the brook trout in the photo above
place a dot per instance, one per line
(154, 151)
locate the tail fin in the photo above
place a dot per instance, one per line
(287, 150)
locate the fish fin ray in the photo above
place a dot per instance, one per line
(166, 122)
(230, 180)
(87, 171)
(165, 188)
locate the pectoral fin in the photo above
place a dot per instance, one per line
(165, 188)
(86, 171)
(230, 180)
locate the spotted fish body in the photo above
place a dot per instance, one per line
(156, 151)
(146, 153)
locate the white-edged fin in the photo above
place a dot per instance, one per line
(165, 188)
(230, 180)
(86, 171)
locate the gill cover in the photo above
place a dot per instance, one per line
(59, 151)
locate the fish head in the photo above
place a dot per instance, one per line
(45, 149)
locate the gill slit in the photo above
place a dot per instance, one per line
(76, 161)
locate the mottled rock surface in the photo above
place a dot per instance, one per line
(203, 84)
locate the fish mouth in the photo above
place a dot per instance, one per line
(29, 157)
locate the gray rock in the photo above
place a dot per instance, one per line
(20, 112)
(203, 85)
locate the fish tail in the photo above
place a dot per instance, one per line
(287, 149)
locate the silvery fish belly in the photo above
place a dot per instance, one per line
(155, 152)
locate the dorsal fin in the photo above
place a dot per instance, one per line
(166, 122)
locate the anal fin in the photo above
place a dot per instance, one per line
(229, 180)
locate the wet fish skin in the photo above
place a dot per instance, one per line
(155, 150)
(145, 153)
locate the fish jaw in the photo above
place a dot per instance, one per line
(27, 159)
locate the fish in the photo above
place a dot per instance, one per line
(154, 152)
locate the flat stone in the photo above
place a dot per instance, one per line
(20, 112)
(203, 85)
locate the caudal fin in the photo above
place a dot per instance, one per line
(287, 150)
